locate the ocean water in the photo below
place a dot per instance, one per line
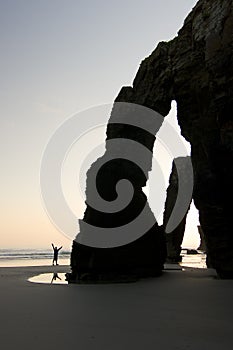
(197, 261)
(31, 257)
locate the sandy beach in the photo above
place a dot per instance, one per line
(188, 309)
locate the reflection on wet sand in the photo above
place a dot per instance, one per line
(49, 278)
(55, 277)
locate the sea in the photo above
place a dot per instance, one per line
(197, 260)
(31, 257)
(39, 257)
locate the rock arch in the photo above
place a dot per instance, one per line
(196, 70)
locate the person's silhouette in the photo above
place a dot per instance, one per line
(55, 254)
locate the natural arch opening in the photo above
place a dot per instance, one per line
(192, 238)
(161, 199)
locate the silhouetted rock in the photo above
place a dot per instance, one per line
(196, 70)
(144, 252)
(191, 252)
(202, 245)
(175, 237)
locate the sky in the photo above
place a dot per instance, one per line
(59, 58)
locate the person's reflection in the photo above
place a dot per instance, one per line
(55, 277)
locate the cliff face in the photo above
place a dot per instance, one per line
(196, 70)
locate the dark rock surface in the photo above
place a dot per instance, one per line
(202, 245)
(175, 237)
(196, 70)
(140, 257)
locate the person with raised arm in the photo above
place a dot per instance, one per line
(55, 254)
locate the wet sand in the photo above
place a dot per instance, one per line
(188, 309)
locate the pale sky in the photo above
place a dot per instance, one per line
(58, 58)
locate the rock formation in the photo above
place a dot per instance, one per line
(202, 245)
(96, 255)
(175, 237)
(196, 70)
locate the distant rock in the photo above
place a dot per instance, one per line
(175, 237)
(202, 245)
